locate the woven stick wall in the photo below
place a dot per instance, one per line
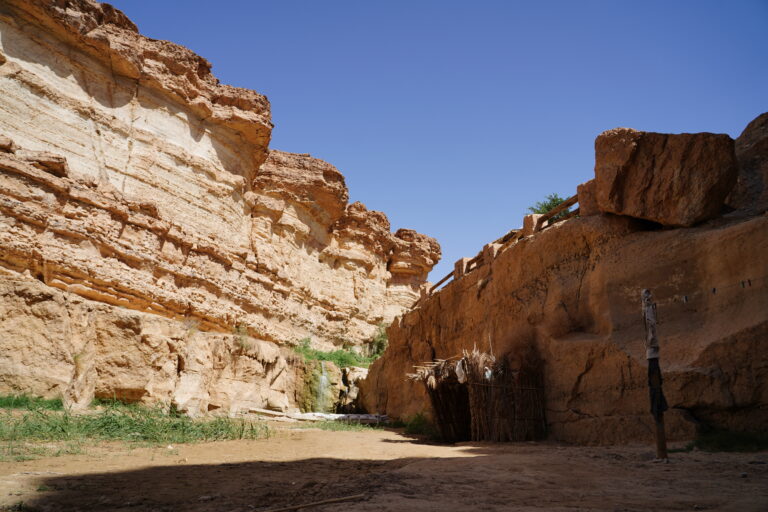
(449, 398)
(480, 398)
(506, 402)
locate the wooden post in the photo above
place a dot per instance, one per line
(658, 402)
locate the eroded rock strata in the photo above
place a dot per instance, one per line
(131, 179)
(572, 293)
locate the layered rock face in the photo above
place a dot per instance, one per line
(130, 177)
(572, 294)
(60, 344)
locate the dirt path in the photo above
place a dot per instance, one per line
(394, 472)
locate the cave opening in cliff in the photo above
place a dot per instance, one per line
(482, 398)
(449, 397)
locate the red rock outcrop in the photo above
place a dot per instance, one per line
(129, 176)
(572, 293)
(672, 179)
(751, 190)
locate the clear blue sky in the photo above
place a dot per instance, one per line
(453, 117)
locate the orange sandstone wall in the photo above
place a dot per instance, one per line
(572, 291)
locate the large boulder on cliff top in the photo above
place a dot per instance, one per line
(751, 190)
(673, 179)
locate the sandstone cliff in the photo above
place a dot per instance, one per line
(130, 177)
(572, 293)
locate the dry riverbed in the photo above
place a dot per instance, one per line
(393, 471)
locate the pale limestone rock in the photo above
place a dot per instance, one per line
(7, 145)
(58, 343)
(146, 184)
(350, 390)
(45, 161)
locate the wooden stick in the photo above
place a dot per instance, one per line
(316, 503)
(450, 275)
(554, 211)
(566, 217)
(513, 233)
(661, 439)
(658, 403)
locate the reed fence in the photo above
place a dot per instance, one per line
(480, 398)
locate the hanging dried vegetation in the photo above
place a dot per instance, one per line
(480, 398)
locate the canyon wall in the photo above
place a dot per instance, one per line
(571, 293)
(131, 179)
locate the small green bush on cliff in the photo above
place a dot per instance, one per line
(379, 341)
(549, 202)
(345, 357)
(341, 358)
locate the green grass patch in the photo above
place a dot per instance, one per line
(727, 441)
(21, 435)
(419, 425)
(30, 402)
(341, 358)
(344, 426)
(14, 451)
(550, 202)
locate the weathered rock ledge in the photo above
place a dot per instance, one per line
(106, 35)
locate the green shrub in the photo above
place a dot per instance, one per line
(30, 402)
(728, 441)
(345, 357)
(379, 341)
(242, 339)
(551, 201)
(419, 425)
(341, 358)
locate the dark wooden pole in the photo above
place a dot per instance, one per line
(658, 402)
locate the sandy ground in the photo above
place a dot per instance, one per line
(393, 471)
